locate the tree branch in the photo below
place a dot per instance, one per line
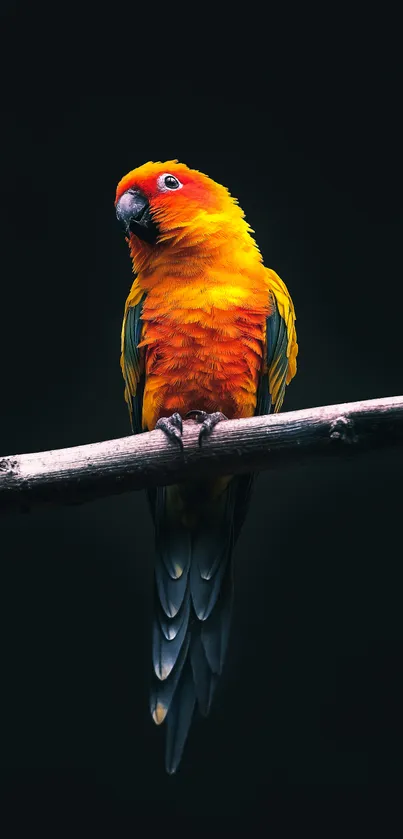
(83, 473)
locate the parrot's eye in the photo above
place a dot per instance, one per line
(167, 182)
(171, 182)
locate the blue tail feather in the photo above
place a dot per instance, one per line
(195, 534)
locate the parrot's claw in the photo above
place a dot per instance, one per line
(173, 427)
(208, 421)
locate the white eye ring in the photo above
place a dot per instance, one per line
(162, 185)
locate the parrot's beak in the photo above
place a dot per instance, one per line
(134, 213)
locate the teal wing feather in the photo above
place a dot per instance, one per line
(281, 352)
(133, 364)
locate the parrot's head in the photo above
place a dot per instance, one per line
(168, 205)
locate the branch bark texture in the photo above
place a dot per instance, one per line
(84, 473)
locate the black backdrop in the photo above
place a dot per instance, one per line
(310, 701)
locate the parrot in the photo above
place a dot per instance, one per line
(208, 334)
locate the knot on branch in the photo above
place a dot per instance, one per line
(342, 429)
(8, 466)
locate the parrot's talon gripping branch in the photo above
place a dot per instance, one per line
(208, 421)
(173, 427)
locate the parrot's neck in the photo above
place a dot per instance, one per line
(190, 260)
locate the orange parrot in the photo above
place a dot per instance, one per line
(208, 333)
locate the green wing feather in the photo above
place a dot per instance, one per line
(132, 359)
(281, 349)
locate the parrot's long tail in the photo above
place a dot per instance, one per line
(196, 528)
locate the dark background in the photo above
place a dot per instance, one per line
(309, 706)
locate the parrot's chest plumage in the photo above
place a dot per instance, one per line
(204, 344)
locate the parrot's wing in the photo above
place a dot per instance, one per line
(281, 348)
(132, 360)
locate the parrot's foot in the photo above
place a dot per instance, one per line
(208, 421)
(172, 426)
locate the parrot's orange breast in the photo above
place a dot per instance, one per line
(203, 345)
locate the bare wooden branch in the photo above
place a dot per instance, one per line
(83, 473)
